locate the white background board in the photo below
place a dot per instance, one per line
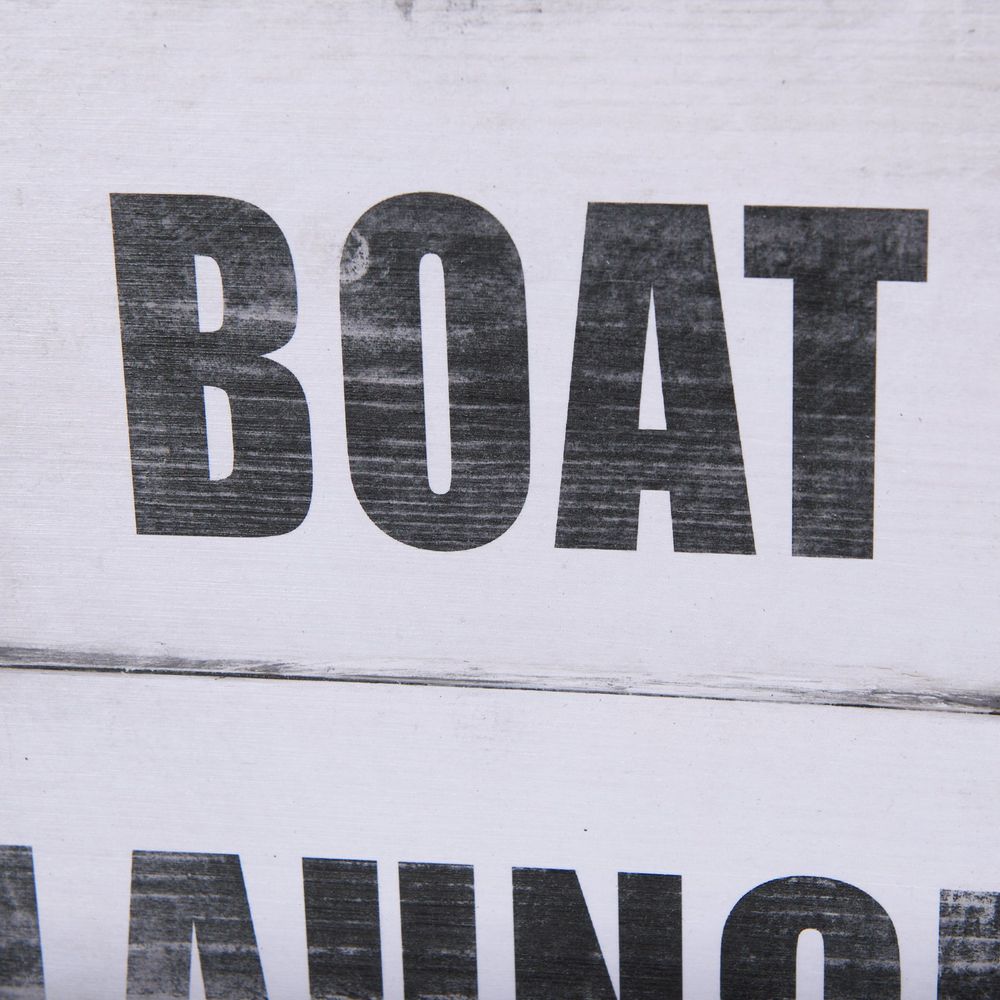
(315, 112)
(901, 804)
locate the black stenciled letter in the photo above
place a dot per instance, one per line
(760, 940)
(487, 371)
(173, 893)
(836, 257)
(438, 923)
(438, 914)
(557, 955)
(630, 252)
(20, 943)
(969, 945)
(342, 929)
(169, 362)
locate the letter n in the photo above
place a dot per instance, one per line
(557, 955)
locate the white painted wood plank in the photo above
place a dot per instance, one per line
(315, 112)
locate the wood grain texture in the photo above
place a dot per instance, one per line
(777, 690)
(20, 942)
(969, 945)
(724, 796)
(314, 113)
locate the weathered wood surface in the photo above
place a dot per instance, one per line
(315, 112)
(508, 785)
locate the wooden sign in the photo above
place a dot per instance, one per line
(513, 356)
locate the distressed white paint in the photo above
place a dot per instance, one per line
(315, 111)
(725, 795)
